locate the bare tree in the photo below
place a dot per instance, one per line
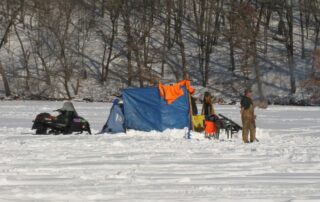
(315, 10)
(207, 23)
(246, 21)
(126, 13)
(301, 13)
(167, 44)
(9, 12)
(179, 9)
(288, 6)
(139, 19)
(113, 9)
(50, 47)
(285, 29)
(62, 30)
(25, 59)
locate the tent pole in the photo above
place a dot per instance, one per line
(190, 111)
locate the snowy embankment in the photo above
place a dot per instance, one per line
(283, 166)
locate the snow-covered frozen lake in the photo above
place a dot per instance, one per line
(283, 166)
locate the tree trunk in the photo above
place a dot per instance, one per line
(106, 67)
(183, 56)
(206, 68)
(302, 30)
(25, 59)
(292, 75)
(178, 33)
(5, 81)
(232, 61)
(10, 24)
(2, 42)
(103, 7)
(66, 87)
(163, 56)
(46, 68)
(126, 14)
(167, 35)
(129, 67)
(103, 67)
(253, 46)
(266, 28)
(315, 46)
(258, 74)
(289, 38)
(140, 71)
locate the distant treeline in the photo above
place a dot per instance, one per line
(49, 48)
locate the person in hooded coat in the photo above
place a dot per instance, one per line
(207, 107)
(66, 115)
(248, 117)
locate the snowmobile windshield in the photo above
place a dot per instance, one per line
(68, 106)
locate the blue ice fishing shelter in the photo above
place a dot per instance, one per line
(145, 110)
(115, 122)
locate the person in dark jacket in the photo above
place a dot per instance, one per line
(248, 117)
(66, 115)
(207, 107)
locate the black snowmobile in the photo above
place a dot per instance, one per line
(66, 122)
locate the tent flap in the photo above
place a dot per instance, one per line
(115, 122)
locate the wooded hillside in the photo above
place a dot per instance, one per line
(72, 48)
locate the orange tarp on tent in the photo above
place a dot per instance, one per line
(173, 92)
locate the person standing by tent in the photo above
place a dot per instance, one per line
(248, 117)
(210, 122)
(207, 107)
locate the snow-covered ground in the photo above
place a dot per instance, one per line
(283, 166)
